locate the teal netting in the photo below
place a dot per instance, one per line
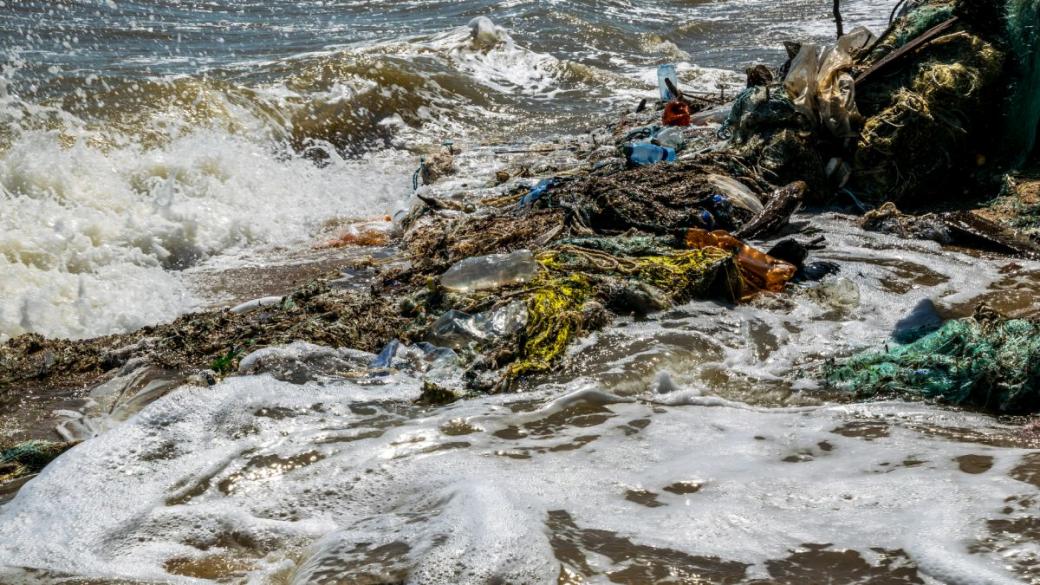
(991, 363)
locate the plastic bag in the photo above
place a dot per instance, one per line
(759, 270)
(820, 85)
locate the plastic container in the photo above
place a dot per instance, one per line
(667, 71)
(490, 272)
(670, 137)
(643, 153)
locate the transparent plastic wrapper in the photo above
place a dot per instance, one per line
(759, 270)
(820, 85)
(839, 294)
(716, 115)
(800, 81)
(738, 193)
(458, 329)
(490, 272)
(835, 86)
(670, 137)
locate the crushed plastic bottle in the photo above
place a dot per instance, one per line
(490, 272)
(640, 154)
(759, 270)
(457, 329)
(670, 137)
(667, 71)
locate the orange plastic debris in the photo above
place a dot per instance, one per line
(676, 113)
(759, 270)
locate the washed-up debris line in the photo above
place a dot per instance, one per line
(658, 211)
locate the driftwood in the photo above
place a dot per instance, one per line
(908, 48)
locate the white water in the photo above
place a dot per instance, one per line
(184, 480)
(261, 481)
(89, 238)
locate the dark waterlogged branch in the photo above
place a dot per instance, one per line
(837, 18)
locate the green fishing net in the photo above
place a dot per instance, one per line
(984, 362)
(29, 457)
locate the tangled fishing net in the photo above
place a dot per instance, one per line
(984, 361)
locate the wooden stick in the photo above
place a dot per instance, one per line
(671, 87)
(917, 43)
(837, 18)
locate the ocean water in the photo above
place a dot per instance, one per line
(138, 139)
(144, 143)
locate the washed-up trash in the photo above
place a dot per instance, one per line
(713, 115)
(490, 272)
(819, 270)
(922, 320)
(300, 362)
(569, 297)
(985, 361)
(642, 133)
(795, 253)
(676, 113)
(29, 457)
(667, 72)
(374, 232)
(783, 203)
(759, 270)
(767, 132)
(640, 154)
(737, 193)
(661, 199)
(419, 357)
(820, 83)
(386, 355)
(961, 228)
(457, 329)
(272, 301)
(669, 138)
(840, 294)
(954, 99)
(537, 192)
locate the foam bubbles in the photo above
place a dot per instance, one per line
(309, 482)
(91, 237)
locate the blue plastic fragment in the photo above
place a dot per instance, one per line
(707, 219)
(536, 192)
(386, 356)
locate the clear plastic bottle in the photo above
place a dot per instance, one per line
(670, 137)
(667, 71)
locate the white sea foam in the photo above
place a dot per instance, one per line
(309, 478)
(90, 238)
